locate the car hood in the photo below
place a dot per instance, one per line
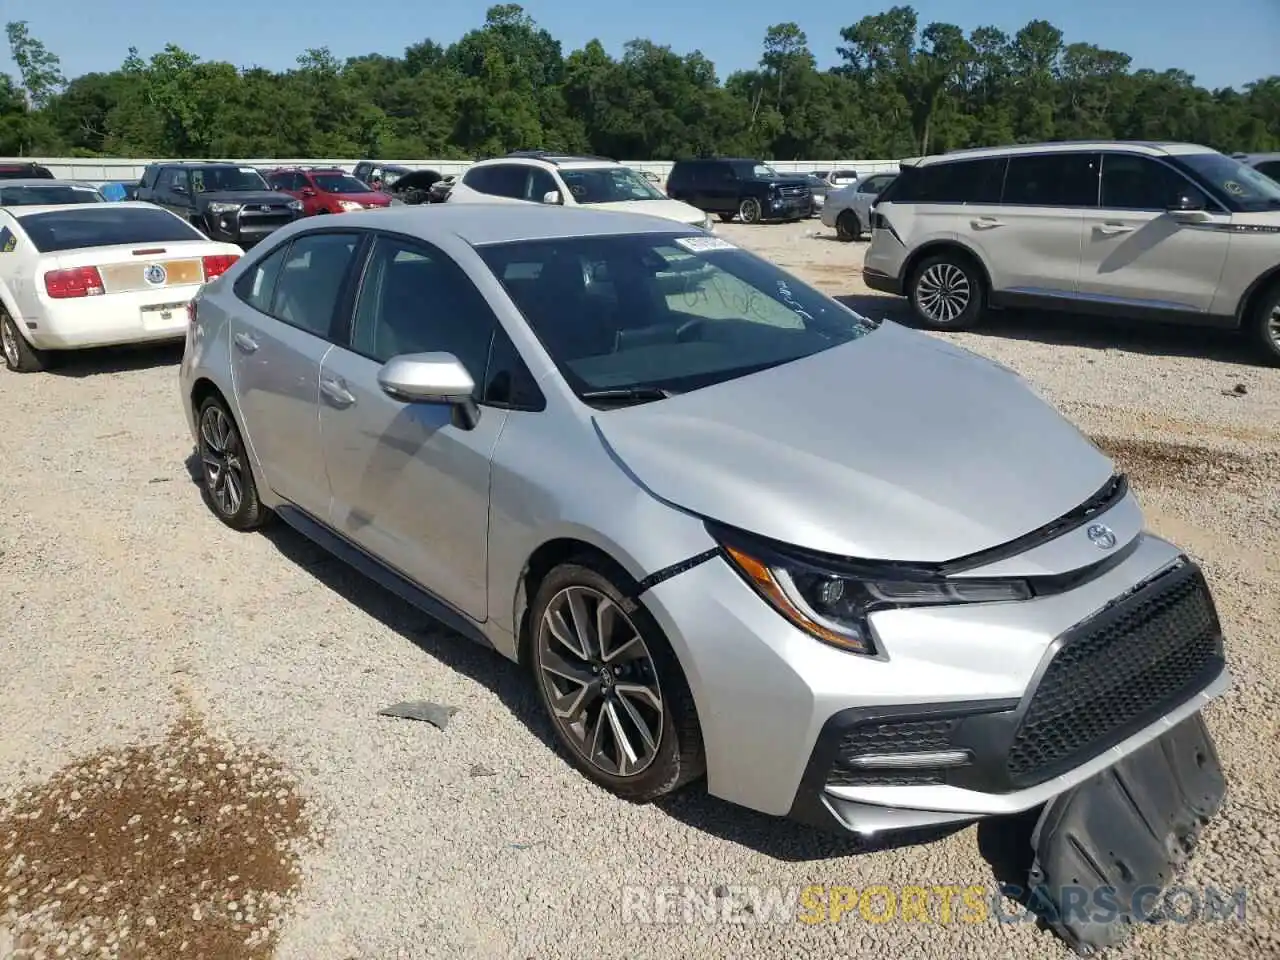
(244, 196)
(667, 209)
(897, 446)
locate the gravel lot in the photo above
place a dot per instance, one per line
(142, 645)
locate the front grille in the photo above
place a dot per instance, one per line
(252, 216)
(1115, 674)
(890, 736)
(796, 190)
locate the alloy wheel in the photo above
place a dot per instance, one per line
(600, 680)
(943, 293)
(222, 454)
(750, 210)
(9, 342)
(1273, 326)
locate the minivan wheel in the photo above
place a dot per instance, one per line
(19, 356)
(749, 210)
(946, 292)
(848, 226)
(617, 698)
(226, 478)
(1266, 324)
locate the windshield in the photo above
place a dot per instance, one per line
(30, 196)
(104, 226)
(219, 179)
(609, 185)
(664, 311)
(1249, 190)
(340, 183)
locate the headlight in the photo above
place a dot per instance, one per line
(350, 205)
(295, 205)
(830, 598)
(219, 206)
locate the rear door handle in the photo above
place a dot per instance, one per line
(245, 342)
(985, 223)
(1114, 229)
(337, 392)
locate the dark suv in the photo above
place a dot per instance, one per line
(749, 189)
(225, 201)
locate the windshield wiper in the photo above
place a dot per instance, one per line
(627, 394)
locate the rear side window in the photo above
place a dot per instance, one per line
(501, 180)
(1053, 180)
(310, 280)
(957, 181)
(258, 284)
(104, 225)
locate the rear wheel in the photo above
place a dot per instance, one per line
(226, 478)
(1265, 324)
(19, 355)
(848, 226)
(616, 695)
(947, 291)
(749, 210)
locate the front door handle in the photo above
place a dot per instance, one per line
(1115, 229)
(985, 223)
(337, 392)
(245, 342)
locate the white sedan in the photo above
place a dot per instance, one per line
(74, 276)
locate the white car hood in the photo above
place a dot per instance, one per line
(667, 209)
(897, 446)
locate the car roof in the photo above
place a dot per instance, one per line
(1147, 147)
(481, 224)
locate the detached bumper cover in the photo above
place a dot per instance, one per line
(882, 282)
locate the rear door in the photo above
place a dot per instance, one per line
(1137, 252)
(278, 339)
(409, 485)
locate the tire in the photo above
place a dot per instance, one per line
(1264, 325)
(677, 758)
(726, 217)
(947, 291)
(226, 479)
(848, 226)
(749, 210)
(19, 355)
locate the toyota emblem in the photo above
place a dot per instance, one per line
(155, 274)
(1102, 536)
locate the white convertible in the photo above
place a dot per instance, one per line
(89, 275)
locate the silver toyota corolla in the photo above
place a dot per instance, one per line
(849, 572)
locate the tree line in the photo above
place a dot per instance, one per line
(899, 90)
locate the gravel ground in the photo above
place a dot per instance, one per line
(142, 642)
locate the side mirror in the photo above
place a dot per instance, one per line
(308, 192)
(437, 378)
(1189, 205)
(551, 196)
(179, 188)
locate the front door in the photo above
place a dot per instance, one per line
(277, 347)
(408, 484)
(1138, 253)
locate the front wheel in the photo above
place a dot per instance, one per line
(848, 226)
(19, 355)
(617, 698)
(749, 210)
(946, 292)
(1265, 324)
(226, 478)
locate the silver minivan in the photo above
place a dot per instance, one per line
(1165, 231)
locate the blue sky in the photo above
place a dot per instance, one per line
(1221, 42)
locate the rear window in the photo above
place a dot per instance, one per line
(103, 226)
(31, 196)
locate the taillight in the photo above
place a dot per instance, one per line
(218, 264)
(76, 282)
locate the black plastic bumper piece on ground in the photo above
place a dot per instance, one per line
(881, 283)
(1126, 831)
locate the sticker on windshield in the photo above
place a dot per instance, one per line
(7, 241)
(704, 244)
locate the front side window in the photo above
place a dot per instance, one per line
(609, 185)
(415, 299)
(1248, 190)
(175, 179)
(1053, 180)
(1131, 182)
(664, 311)
(1271, 168)
(540, 184)
(310, 280)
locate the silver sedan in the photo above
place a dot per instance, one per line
(848, 208)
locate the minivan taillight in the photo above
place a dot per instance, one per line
(75, 282)
(217, 265)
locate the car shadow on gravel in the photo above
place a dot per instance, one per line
(1075, 330)
(104, 360)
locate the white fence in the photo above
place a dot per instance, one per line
(107, 169)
